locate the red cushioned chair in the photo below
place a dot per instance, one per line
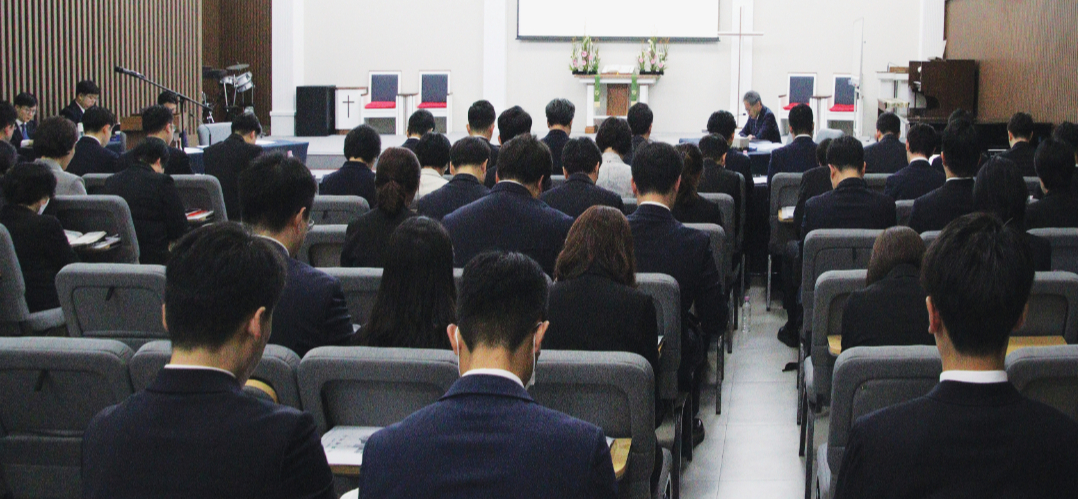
(384, 99)
(435, 96)
(843, 102)
(800, 89)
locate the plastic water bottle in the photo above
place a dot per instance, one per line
(746, 314)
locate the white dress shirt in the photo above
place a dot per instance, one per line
(654, 203)
(495, 372)
(429, 181)
(978, 377)
(189, 367)
(615, 175)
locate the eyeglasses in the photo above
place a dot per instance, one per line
(310, 224)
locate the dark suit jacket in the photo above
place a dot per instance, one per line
(813, 183)
(638, 141)
(740, 163)
(1042, 253)
(487, 438)
(962, 440)
(1054, 210)
(410, 143)
(91, 157)
(914, 181)
(578, 194)
(556, 140)
(798, 156)
(156, 209)
(179, 163)
(764, 127)
(935, 210)
(1022, 154)
(72, 112)
(508, 219)
(195, 433)
(17, 137)
(9, 157)
(886, 156)
(889, 312)
(492, 164)
(42, 250)
(720, 180)
(312, 312)
(461, 190)
(368, 236)
(852, 205)
(697, 210)
(226, 160)
(352, 179)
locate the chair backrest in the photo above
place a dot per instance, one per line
(719, 242)
(784, 187)
(877, 181)
(827, 133)
(212, 133)
(1064, 247)
(1033, 185)
(802, 87)
(384, 86)
(337, 210)
(278, 369)
(1048, 375)
(50, 389)
(434, 87)
(844, 91)
(117, 301)
(202, 192)
(557, 181)
(630, 205)
(13, 308)
(366, 386)
(930, 237)
(904, 208)
(1053, 306)
(322, 246)
(832, 249)
(666, 296)
(95, 182)
(833, 288)
(729, 225)
(99, 213)
(612, 390)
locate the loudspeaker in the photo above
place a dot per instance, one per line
(315, 111)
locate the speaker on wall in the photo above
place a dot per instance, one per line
(315, 111)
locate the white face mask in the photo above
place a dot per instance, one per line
(42, 209)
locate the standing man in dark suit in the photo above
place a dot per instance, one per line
(559, 119)
(420, 123)
(1019, 134)
(276, 194)
(640, 119)
(25, 109)
(155, 204)
(888, 154)
(511, 123)
(762, 124)
(362, 146)
(228, 158)
(481, 118)
(974, 434)
(920, 177)
(799, 155)
(86, 95)
(193, 431)
(717, 178)
(487, 437)
(961, 153)
(91, 155)
(581, 169)
(468, 160)
(1055, 167)
(158, 125)
(723, 124)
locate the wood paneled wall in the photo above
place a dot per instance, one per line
(234, 32)
(46, 46)
(1028, 54)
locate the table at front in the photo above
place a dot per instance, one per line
(834, 342)
(298, 150)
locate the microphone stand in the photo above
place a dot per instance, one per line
(183, 98)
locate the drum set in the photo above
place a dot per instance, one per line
(237, 90)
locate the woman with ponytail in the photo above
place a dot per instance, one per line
(397, 179)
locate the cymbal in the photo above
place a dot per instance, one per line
(238, 67)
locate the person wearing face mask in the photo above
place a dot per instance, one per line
(487, 437)
(39, 240)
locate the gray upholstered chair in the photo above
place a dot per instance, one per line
(784, 190)
(557, 181)
(116, 301)
(15, 316)
(322, 246)
(212, 133)
(930, 237)
(877, 181)
(95, 182)
(1033, 185)
(202, 192)
(1064, 247)
(904, 208)
(1048, 375)
(1053, 307)
(337, 210)
(99, 213)
(732, 267)
(721, 255)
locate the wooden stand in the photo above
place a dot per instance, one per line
(617, 94)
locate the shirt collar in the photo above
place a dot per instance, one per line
(495, 372)
(805, 135)
(653, 203)
(959, 178)
(978, 377)
(513, 182)
(198, 368)
(19, 122)
(285, 248)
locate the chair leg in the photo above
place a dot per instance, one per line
(801, 415)
(809, 452)
(800, 375)
(675, 465)
(686, 430)
(719, 376)
(767, 301)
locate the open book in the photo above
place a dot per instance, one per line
(786, 214)
(344, 444)
(96, 241)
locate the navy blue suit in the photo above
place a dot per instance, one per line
(1057, 209)
(851, 205)
(1022, 154)
(886, 156)
(740, 163)
(463, 189)
(156, 209)
(798, 156)
(91, 157)
(914, 181)
(195, 433)
(578, 194)
(508, 219)
(410, 143)
(179, 163)
(226, 160)
(763, 127)
(17, 136)
(935, 210)
(486, 437)
(72, 112)
(556, 140)
(352, 179)
(312, 311)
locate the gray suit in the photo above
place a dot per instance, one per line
(67, 184)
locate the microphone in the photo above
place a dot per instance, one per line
(128, 72)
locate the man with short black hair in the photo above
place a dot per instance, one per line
(362, 146)
(799, 156)
(961, 154)
(640, 119)
(194, 429)
(54, 145)
(919, 177)
(487, 437)
(276, 194)
(171, 101)
(91, 155)
(228, 158)
(716, 178)
(762, 124)
(8, 154)
(157, 122)
(580, 165)
(433, 153)
(25, 109)
(559, 119)
(1055, 167)
(420, 123)
(723, 124)
(511, 217)
(615, 140)
(468, 160)
(86, 95)
(974, 434)
(511, 123)
(151, 195)
(481, 118)
(888, 154)
(1019, 134)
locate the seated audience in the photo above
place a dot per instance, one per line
(511, 123)
(961, 156)
(717, 178)
(1000, 190)
(723, 124)
(86, 94)
(799, 155)
(39, 240)
(814, 182)
(54, 145)
(1067, 133)
(481, 118)
(9, 155)
(689, 207)
(1055, 167)
(397, 179)
(433, 153)
(974, 434)
(640, 119)
(615, 140)
(888, 154)
(276, 194)
(362, 146)
(559, 120)
(580, 165)
(468, 160)
(1019, 134)
(26, 109)
(151, 195)
(417, 298)
(891, 308)
(419, 124)
(193, 431)
(761, 124)
(487, 437)
(157, 122)
(511, 217)
(91, 153)
(919, 177)
(228, 159)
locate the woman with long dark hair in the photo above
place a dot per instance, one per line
(690, 207)
(397, 179)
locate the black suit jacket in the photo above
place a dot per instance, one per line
(740, 163)
(889, 312)
(461, 190)
(763, 127)
(156, 209)
(42, 250)
(312, 312)
(886, 156)
(179, 163)
(935, 210)
(638, 142)
(697, 210)
(720, 180)
(962, 440)
(492, 164)
(1022, 154)
(852, 205)
(91, 157)
(578, 194)
(813, 183)
(487, 438)
(508, 219)
(914, 181)
(17, 137)
(72, 112)
(368, 236)
(556, 140)
(798, 156)
(351, 179)
(410, 143)
(9, 157)
(195, 433)
(226, 160)
(1054, 210)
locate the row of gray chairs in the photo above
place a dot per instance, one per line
(337, 210)
(99, 213)
(15, 316)
(197, 192)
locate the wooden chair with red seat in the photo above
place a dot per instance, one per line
(385, 100)
(434, 96)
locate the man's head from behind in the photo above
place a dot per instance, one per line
(221, 285)
(921, 140)
(481, 118)
(560, 112)
(513, 122)
(1020, 127)
(157, 120)
(433, 151)
(961, 152)
(723, 124)
(801, 120)
(276, 195)
(362, 143)
(421, 122)
(714, 148)
(640, 118)
(657, 171)
(888, 123)
(581, 155)
(524, 159)
(247, 126)
(471, 155)
(1067, 133)
(98, 121)
(846, 157)
(7, 120)
(1054, 162)
(169, 99)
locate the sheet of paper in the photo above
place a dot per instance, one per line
(344, 444)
